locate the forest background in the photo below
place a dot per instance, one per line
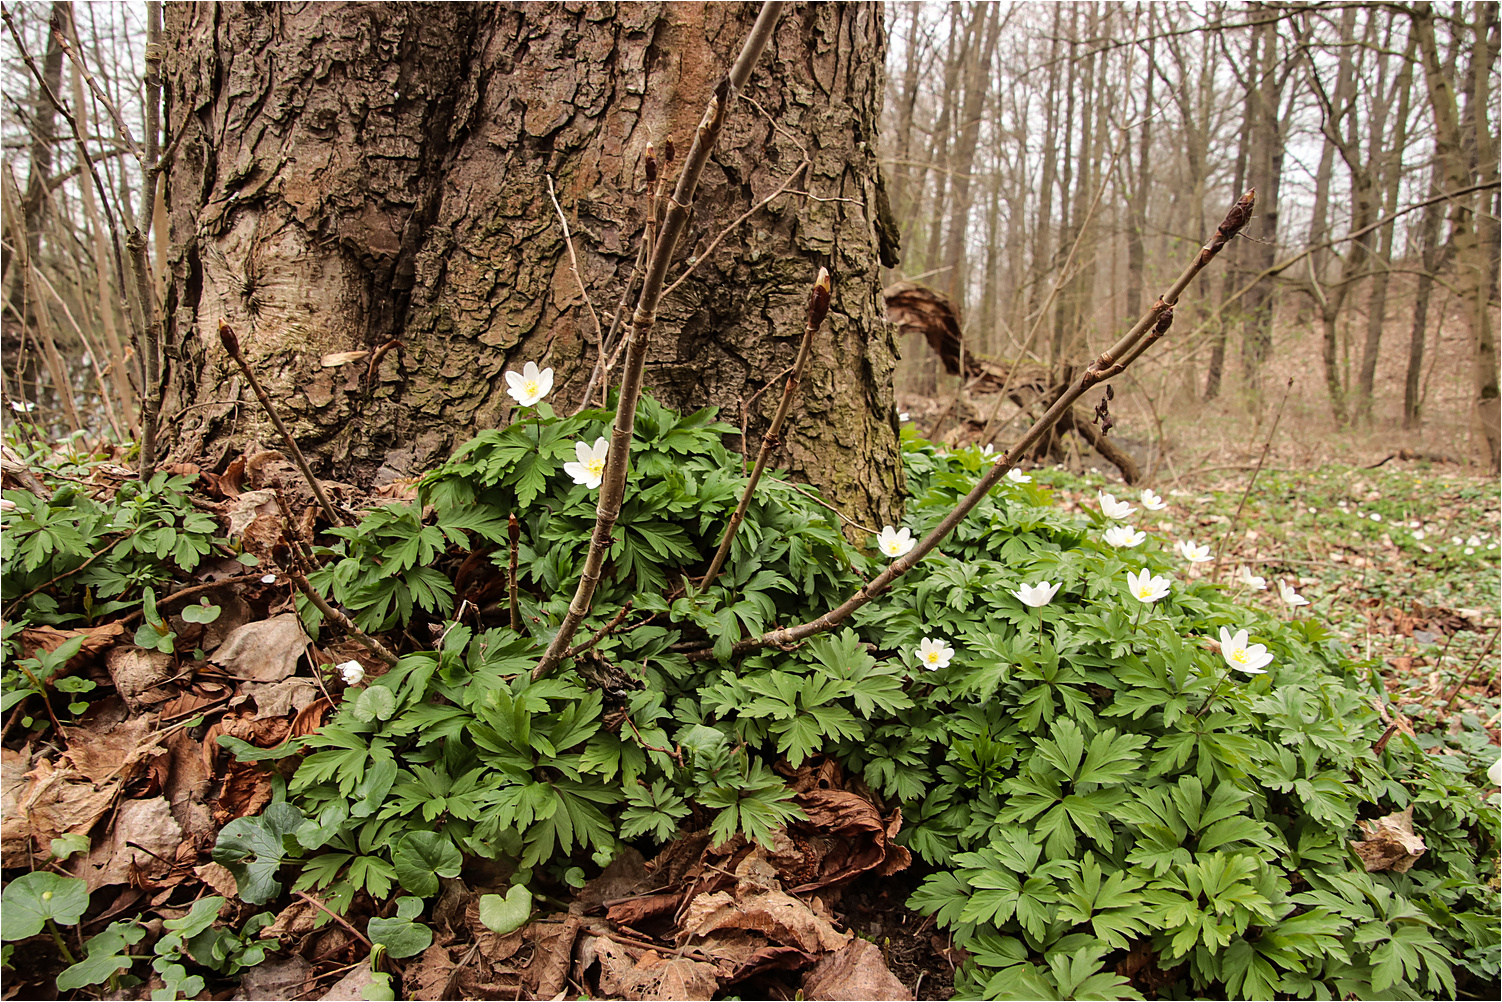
(1046, 164)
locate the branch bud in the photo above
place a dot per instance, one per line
(1237, 217)
(667, 151)
(228, 339)
(651, 165)
(514, 530)
(818, 300)
(1165, 321)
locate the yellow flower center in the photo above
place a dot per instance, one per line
(933, 657)
(1145, 592)
(594, 466)
(530, 387)
(1239, 656)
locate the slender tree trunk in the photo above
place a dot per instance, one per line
(1473, 270)
(940, 155)
(977, 87)
(400, 194)
(39, 174)
(1393, 176)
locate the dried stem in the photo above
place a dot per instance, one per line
(1147, 329)
(232, 345)
(818, 307)
(338, 618)
(613, 486)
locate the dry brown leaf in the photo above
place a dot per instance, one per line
(267, 651)
(295, 920)
(15, 830)
(139, 675)
(552, 952)
(351, 987)
(104, 752)
(277, 699)
(49, 638)
(652, 976)
(219, 878)
(759, 904)
(62, 801)
(855, 972)
(279, 976)
(843, 838)
(246, 789)
(1390, 843)
(624, 877)
(247, 507)
(337, 358)
(142, 842)
(428, 978)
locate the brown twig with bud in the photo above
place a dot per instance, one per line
(232, 345)
(818, 308)
(674, 222)
(1147, 329)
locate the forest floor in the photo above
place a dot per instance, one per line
(1401, 562)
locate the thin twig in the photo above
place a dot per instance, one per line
(700, 258)
(1250, 481)
(602, 632)
(232, 345)
(340, 619)
(48, 584)
(613, 485)
(1450, 701)
(1148, 328)
(573, 258)
(189, 592)
(824, 504)
(818, 308)
(335, 916)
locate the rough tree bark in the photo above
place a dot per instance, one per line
(357, 174)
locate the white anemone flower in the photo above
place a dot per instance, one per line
(1016, 476)
(935, 653)
(268, 579)
(1293, 598)
(1124, 536)
(1495, 773)
(1192, 552)
(1153, 502)
(590, 469)
(1252, 581)
(1112, 508)
(895, 542)
(353, 673)
(988, 450)
(1252, 659)
(1147, 588)
(531, 386)
(1038, 595)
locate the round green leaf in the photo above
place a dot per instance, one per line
(378, 701)
(508, 914)
(33, 898)
(401, 937)
(200, 613)
(421, 858)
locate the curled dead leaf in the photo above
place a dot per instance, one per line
(1390, 843)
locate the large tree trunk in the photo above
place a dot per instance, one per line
(362, 173)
